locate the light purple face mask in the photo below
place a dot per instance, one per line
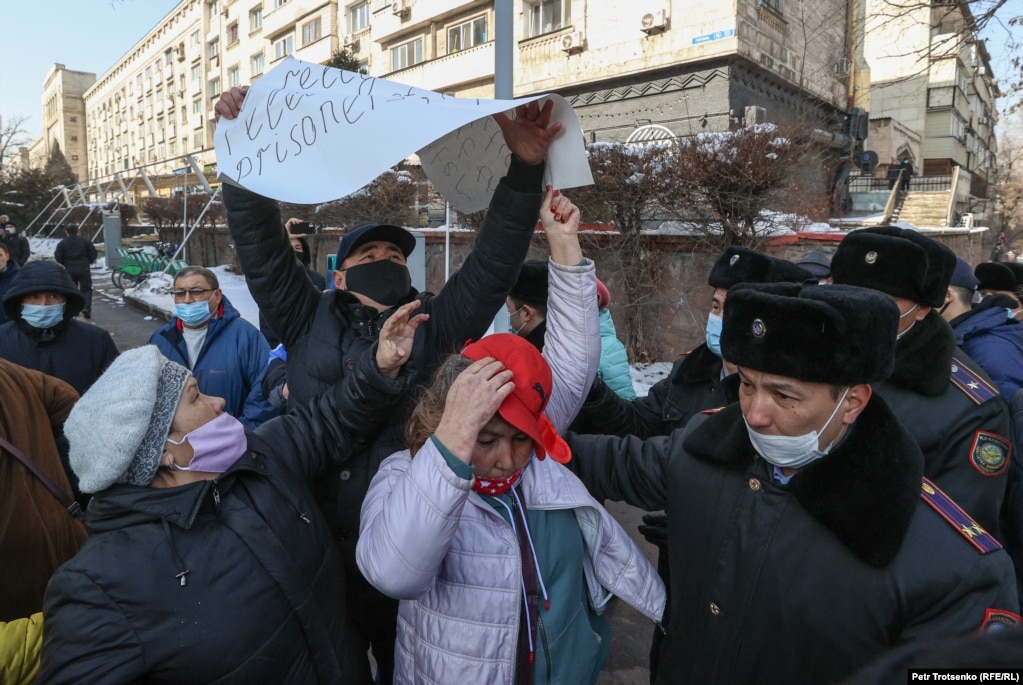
(216, 445)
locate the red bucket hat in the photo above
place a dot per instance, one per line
(524, 408)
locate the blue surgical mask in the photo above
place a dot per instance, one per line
(42, 315)
(193, 313)
(714, 334)
(511, 328)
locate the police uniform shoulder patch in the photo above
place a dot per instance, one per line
(715, 410)
(990, 453)
(997, 620)
(958, 519)
(973, 385)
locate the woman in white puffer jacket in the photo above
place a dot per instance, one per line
(502, 560)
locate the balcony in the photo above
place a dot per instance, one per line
(280, 20)
(318, 51)
(471, 64)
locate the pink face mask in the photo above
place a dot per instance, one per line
(216, 445)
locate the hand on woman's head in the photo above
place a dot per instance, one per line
(472, 401)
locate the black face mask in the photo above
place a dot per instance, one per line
(383, 280)
(303, 257)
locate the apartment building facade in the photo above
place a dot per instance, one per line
(64, 118)
(932, 74)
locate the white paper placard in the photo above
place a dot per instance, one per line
(308, 134)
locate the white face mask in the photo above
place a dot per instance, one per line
(792, 452)
(903, 316)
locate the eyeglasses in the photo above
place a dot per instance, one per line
(196, 293)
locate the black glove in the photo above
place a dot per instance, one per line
(655, 529)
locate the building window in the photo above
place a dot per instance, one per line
(467, 34)
(213, 49)
(544, 16)
(196, 71)
(194, 38)
(311, 31)
(232, 33)
(74, 120)
(256, 64)
(284, 47)
(358, 17)
(74, 139)
(280, 3)
(197, 106)
(407, 54)
(773, 5)
(234, 77)
(255, 18)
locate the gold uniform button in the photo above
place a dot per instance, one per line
(754, 484)
(715, 609)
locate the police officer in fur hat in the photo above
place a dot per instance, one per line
(951, 407)
(802, 544)
(697, 382)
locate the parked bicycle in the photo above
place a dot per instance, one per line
(138, 263)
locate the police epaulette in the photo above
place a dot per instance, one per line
(715, 410)
(971, 383)
(958, 519)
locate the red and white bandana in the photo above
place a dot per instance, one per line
(496, 486)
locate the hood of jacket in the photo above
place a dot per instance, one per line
(39, 276)
(12, 268)
(923, 357)
(864, 491)
(990, 320)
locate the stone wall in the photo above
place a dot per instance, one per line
(674, 319)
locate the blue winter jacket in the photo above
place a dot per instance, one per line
(614, 360)
(995, 342)
(230, 364)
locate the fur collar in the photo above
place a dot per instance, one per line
(699, 366)
(923, 358)
(865, 491)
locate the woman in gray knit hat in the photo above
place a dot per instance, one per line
(209, 560)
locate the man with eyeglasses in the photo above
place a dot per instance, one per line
(226, 354)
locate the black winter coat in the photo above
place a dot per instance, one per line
(18, 246)
(6, 276)
(956, 415)
(75, 253)
(326, 333)
(234, 580)
(804, 583)
(693, 385)
(75, 352)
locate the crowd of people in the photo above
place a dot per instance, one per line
(386, 494)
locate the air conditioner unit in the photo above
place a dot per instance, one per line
(573, 42)
(967, 220)
(755, 115)
(842, 67)
(398, 7)
(655, 22)
(348, 40)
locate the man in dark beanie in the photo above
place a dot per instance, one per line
(802, 543)
(946, 401)
(76, 254)
(998, 278)
(527, 303)
(42, 334)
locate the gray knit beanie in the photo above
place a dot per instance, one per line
(118, 428)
